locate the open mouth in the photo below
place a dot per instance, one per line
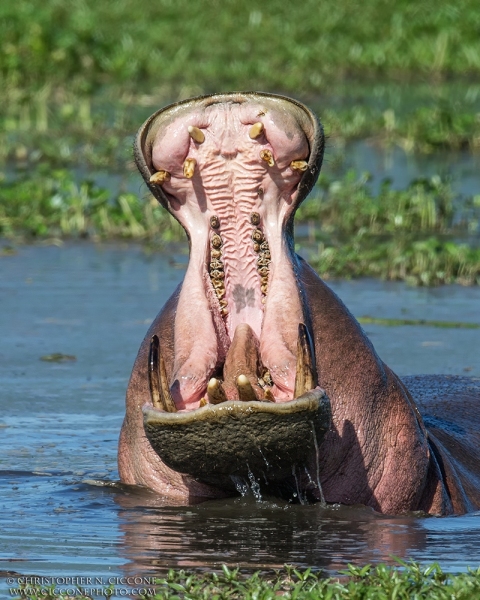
(232, 169)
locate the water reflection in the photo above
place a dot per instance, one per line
(260, 535)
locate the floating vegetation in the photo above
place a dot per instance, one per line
(58, 357)
(417, 322)
(415, 235)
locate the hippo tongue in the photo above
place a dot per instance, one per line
(229, 170)
(243, 359)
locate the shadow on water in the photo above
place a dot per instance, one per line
(62, 511)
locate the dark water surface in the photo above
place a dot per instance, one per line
(61, 513)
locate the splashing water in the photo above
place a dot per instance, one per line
(255, 486)
(241, 485)
(323, 504)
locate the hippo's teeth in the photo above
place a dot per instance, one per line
(196, 134)
(246, 392)
(299, 165)
(215, 392)
(306, 377)
(157, 379)
(189, 167)
(269, 397)
(160, 177)
(267, 156)
(256, 130)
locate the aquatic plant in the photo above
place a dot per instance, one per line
(380, 582)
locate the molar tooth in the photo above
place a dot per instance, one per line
(217, 274)
(189, 167)
(224, 312)
(255, 218)
(267, 156)
(196, 134)
(216, 241)
(256, 247)
(215, 392)
(157, 378)
(264, 246)
(257, 236)
(299, 165)
(160, 177)
(246, 392)
(214, 222)
(306, 377)
(264, 288)
(216, 253)
(256, 130)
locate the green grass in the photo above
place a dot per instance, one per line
(78, 78)
(181, 46)
(357, 583)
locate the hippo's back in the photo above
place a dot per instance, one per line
(450, 407)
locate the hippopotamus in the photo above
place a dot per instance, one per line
(254, 371)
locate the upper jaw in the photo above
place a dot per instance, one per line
(232, 169)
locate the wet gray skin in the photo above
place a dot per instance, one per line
(232, 169)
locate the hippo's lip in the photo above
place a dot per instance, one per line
(217, 443)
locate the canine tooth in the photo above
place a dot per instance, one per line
(214, 222)
(299, 165)
(189, 167)
(306, 377)
(246, 392)
(215, 392)
(256, 130)
(267, 156)
(196, 134)
(203, 402)
(160, 177)
(153, 378)
(157, 378)
(256, 247)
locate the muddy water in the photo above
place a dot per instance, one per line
(62, 512)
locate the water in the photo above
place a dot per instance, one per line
(62, 511)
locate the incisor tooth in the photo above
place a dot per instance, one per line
(196, 134)
(306, 377)
(189, 167)
(157, 378)
(267, 156)
(299, 165)
(160, 177)
(256, 130)
(246, 392)
(215, 392)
